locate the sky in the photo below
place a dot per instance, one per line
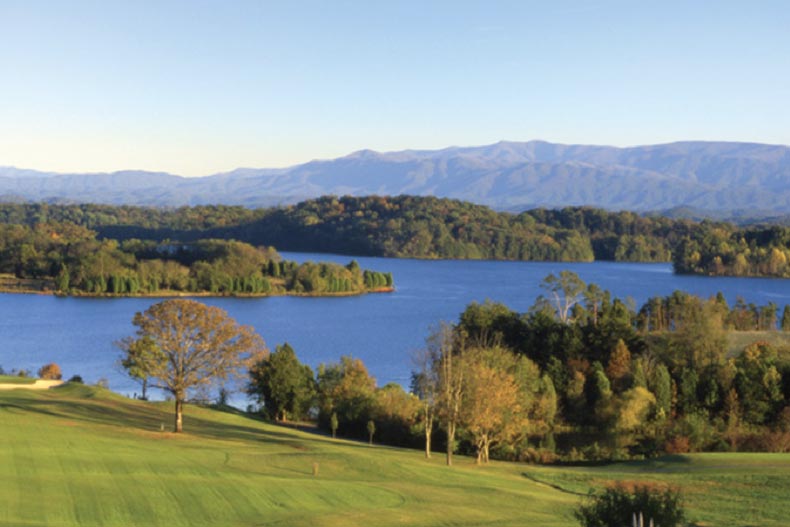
(196, 87)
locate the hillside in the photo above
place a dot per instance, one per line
(705, 176)
(83, 456)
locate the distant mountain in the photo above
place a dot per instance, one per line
(694, 175)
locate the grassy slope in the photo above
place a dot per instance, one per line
(14, 379)
(77, 456)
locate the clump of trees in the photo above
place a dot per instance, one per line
(579, 376)
(72, 260)
(630, 382)
(723, 250)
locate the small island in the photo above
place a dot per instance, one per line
(69, 260)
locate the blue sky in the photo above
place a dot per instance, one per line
(196, 87)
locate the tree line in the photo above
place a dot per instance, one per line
(580, 376)
(429, 227)
(71, 259)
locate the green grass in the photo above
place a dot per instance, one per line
(14, 379)
(79, 455)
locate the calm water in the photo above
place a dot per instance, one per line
(381, 329)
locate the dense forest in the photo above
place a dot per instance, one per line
(580, 376)
(427, 227)
(69, 259)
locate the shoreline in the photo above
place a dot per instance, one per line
(185, 294)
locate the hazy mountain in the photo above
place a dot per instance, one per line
(701, 176)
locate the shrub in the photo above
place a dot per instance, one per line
(617, 506)
(50, 372)
(76, 379)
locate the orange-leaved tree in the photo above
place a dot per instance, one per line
(194, 345)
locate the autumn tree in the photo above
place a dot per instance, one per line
(195, 346)
(347, 390)
(395, 413)
(50, 371)
(282, 384)
(618, 369)
(493, 409)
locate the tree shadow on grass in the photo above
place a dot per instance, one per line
(92, 407)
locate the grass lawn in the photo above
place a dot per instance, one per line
(79, 455)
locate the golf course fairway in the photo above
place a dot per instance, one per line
(83, 456)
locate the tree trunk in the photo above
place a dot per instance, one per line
(450, 443)
(145, 386)
(179, 415)
(428, 432)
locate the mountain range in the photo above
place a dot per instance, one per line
(692, 176)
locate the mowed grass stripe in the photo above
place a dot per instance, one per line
(83, 456)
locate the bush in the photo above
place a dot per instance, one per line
(76, 379)
(50, 372)
(617, 506)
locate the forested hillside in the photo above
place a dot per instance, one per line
(428, 227)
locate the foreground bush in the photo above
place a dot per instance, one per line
(623, 505)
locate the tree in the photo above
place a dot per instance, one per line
(347, 390)
(786, 318)
(491, 412)
(451, 383)
(425, 383)
(282, 384)
(662, 388)
(62, 280)
(138, 356)
(195, 346)
(619, 367)
(565, 291)
(50, 371)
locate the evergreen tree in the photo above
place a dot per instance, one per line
(282, 384)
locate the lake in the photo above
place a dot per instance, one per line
(380, 329)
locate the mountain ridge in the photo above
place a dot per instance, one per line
(507, 175)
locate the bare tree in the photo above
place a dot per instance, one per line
(194, 345)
